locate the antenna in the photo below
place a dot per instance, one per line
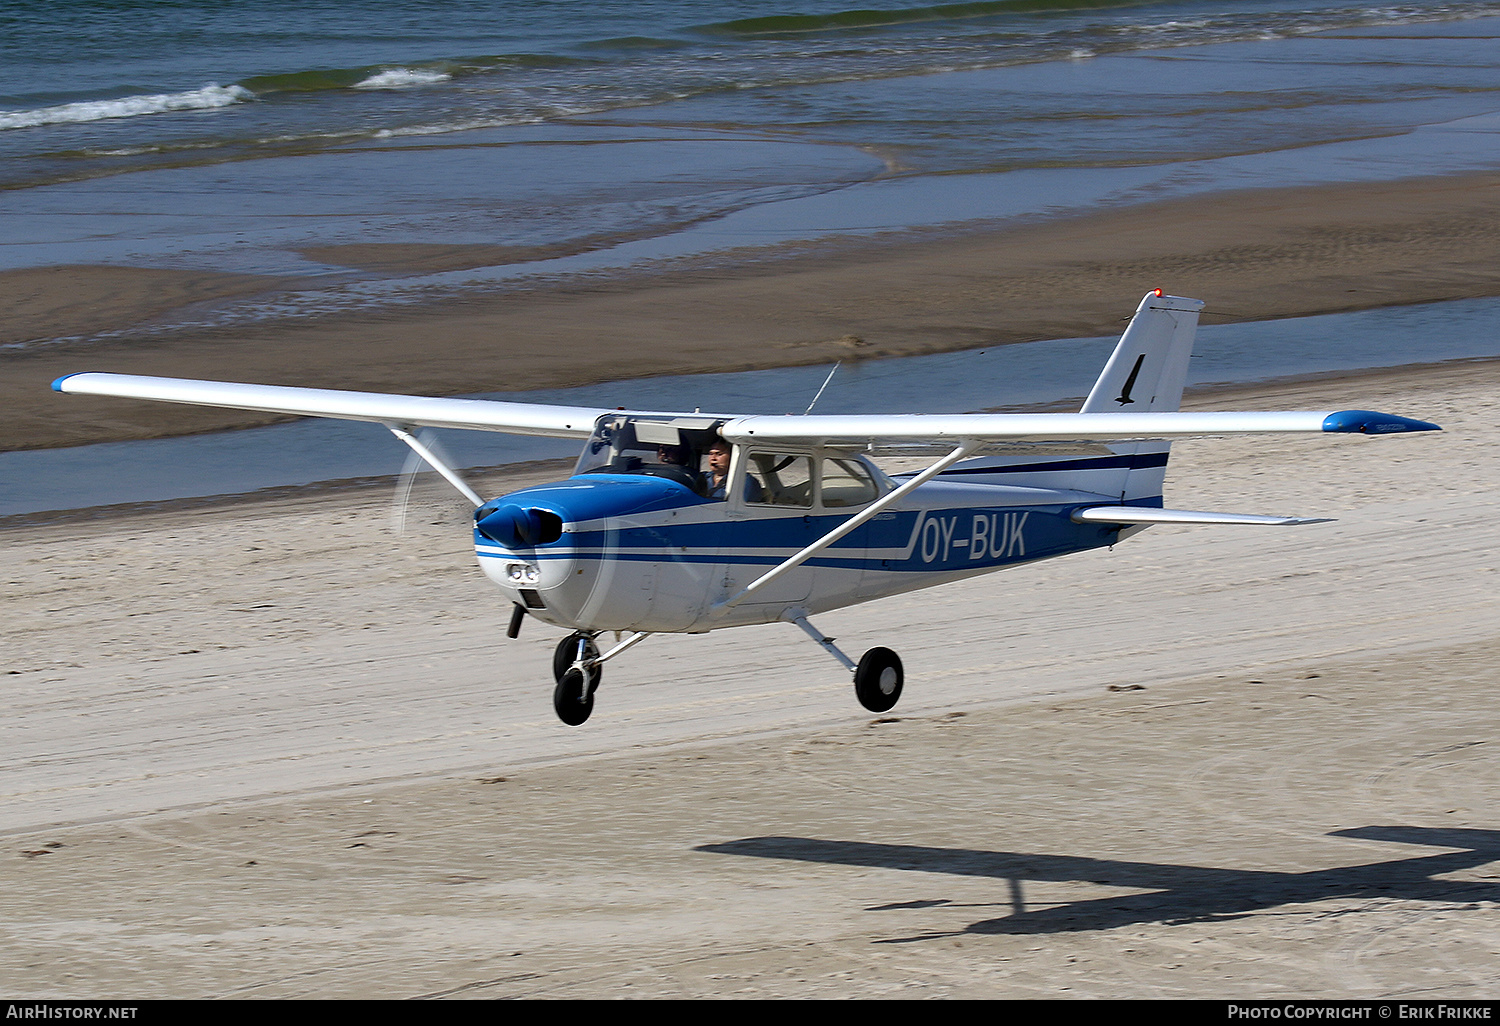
(825, 385)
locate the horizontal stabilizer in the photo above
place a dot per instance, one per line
(1151, 515)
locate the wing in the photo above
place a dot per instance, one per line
(1060, 427)
(377, 407)
(858, 430)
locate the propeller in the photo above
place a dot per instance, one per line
(415, 464)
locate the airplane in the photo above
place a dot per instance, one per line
(791, 517)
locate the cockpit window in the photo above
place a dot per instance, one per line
(782, 479)
(847, 482)
(667, 447)
(677, 448)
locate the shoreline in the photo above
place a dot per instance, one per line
(1253, 255)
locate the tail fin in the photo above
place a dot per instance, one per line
(1147, 370)
(1145, 374)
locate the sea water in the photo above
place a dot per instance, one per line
(240, 137)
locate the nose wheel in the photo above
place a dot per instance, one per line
(572, 699)
(578, 667)
(575, 666)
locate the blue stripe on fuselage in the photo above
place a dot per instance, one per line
(1136, 461)
(953, 539)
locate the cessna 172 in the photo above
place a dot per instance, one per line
(791, 518)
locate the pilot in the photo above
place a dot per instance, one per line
(717, 477)
(680, 457)
(673, 455)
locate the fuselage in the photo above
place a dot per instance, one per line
(648, 553)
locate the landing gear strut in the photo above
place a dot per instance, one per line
(878, 677)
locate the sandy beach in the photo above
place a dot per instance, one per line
(269, 748)
(1254, 255)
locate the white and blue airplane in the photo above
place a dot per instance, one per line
(788, 517)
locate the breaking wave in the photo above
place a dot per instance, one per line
(207, 98)
(402, 78)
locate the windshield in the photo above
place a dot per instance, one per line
(670, 447)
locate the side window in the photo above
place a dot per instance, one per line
(847, 482)
(780, 479)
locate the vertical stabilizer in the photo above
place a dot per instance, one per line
(1147, 370)
(1145, 374)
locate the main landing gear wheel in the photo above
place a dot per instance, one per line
(878, 679)
(573, 698)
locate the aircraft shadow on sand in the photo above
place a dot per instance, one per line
(1177, 894)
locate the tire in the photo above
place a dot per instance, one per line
(571, 700)
(878, 680)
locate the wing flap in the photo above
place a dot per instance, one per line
(377, 407)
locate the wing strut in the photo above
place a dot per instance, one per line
(967, 448)
(449, 474)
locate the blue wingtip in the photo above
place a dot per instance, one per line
(57, 385)
(1368, 422)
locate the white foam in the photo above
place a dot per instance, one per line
(455, 126)
(402, 78)
(210, 96)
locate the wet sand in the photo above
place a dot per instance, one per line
(269, 749)
(1252, 255)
